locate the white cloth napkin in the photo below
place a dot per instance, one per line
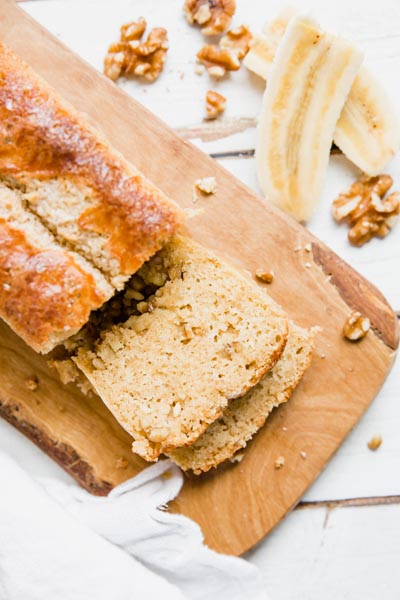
(58, 541)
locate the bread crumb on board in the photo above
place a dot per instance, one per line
(121, 463)
(375, 442)
(237, 458)
(303, 454)
(206, 185)
(32, 383)
(199, 69)
(279, 462)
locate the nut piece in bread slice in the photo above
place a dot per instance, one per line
(205, 336)
(46, 292)
(83, 190)
(246, 415)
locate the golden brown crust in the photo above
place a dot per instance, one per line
(43, 137)
(44, 293)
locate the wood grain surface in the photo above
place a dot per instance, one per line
(235, 505)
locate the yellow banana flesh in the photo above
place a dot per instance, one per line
(309, 82)
(368, 130)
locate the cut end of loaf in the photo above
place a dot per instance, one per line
(246, 415)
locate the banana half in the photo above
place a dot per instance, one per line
(368, 130)
(309, 82)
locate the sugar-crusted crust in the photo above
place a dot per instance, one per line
(43, 292)
(42, 136)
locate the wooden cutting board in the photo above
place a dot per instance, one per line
(236, 505)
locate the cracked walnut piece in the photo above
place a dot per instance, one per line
(133, 56)
(366, 209)
(265, 276)
(214, 16)
(356, 327)
(375, 442)
(226, 56)
(218, 60)
(237, 39)
(215, 104)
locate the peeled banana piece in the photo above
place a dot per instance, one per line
(309, 82)
(368, 130)
(264, 46)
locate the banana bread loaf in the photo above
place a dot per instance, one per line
(84, 193)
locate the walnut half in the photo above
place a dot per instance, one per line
(214, 16)
(226, 56)
(133, 56)
(218, 60)
(364, 207)
(215, 104)
(356, 327)
(237, 39)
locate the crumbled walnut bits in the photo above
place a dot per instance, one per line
(218, 60)
(121, 463)
(132, 56)
(279, 462)
(375, 442)
(32, 383)
(238, 40)
(366, 210)
(206, 185)
(226, 56)
(215, 104)
(265, 276)
(213, 16)
(356, 327)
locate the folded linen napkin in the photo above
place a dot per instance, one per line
(57, 540)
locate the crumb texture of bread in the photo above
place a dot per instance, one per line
(205, 336)
(246, 415)
(46, 292)
(82, 189)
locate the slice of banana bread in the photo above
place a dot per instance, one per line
(206, 335)
(246, 415)
(46, 292)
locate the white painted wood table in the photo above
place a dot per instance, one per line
(343, 540)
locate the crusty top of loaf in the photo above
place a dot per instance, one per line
(43, 137)
(45, 293)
